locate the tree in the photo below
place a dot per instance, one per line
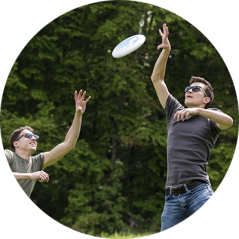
(114, 179)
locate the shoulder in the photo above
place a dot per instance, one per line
(9, 154)
(172, 101)
(7, 151)
(38, 160)
(38, 157)
(172, 105)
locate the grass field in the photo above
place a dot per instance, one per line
(124, 235)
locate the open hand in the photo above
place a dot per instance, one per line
(80, 102)
(185, 113)
(165, 42)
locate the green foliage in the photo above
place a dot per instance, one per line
(114, 179)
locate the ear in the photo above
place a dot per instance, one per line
(15, 143)
(206, 100)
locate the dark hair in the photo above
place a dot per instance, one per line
(208, 89)
(16, 133)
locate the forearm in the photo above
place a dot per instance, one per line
(160, 66)
(217, 117)
(21, 176)
(74, 131)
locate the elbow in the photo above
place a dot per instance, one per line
(155, 78)
(72, 146)
(230, 122)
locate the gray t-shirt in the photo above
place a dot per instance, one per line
(20, 165)
(188, 145)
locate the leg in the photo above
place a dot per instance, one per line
(173, 212)
(197, 197)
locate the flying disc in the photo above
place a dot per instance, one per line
(128, 45)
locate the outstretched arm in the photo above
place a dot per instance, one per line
(222, 120)
(72, 135)
(160, 67)
(39, 175)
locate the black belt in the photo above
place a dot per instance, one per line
(181, 189)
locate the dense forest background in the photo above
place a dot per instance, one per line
(114, 179)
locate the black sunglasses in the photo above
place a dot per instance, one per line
(195, 88)
(29, 136)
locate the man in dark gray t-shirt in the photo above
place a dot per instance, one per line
(188, 145)
(192, 133)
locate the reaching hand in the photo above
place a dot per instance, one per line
(165, 42)
(80, 103)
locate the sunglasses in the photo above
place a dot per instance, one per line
(29, 136)
(195, 89)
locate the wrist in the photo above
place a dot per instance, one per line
(29, 176)
(78, 113)
(167, 50)
(200, 111)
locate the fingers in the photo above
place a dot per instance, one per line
(159, 46)
(165, 31)
(187, 114)
(79, 97)
(165, 43)
(75, 96)
(83, 96)
(178, 116)
(181, 114)
(44, 177)
(87, 99)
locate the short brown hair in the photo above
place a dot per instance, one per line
(208, 89)
(16, 133)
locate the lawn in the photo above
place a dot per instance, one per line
(124, 235)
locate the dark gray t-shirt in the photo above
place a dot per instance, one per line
(20, 165)
(188, 145)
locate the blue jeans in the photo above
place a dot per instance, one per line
(178, 208)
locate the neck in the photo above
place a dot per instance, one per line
(23, 154)
(195, 107)
(202, 106)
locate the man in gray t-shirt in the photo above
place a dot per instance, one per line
(27, 168)
(192, 133)
(188, 145)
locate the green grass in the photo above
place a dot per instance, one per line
(124, 235)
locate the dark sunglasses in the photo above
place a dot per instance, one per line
(29, 136)
(195, 89)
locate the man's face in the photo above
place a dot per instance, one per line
(195, 99)
(26, 144)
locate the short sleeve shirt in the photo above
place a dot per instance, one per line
(20, 165)
(188, 145)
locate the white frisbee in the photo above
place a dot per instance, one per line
(128, 45)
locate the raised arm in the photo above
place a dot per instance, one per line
(160, 67)
(72, 135)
